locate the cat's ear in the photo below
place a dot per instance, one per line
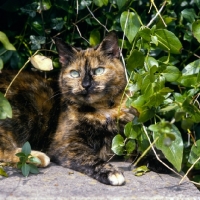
(65, 51)
(109, 45)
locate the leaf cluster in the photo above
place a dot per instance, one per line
(27, 163)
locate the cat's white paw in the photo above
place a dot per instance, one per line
(45, 160)
(116, 178)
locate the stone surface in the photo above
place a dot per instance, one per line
(56, 182)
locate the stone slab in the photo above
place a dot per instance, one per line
(56, 182)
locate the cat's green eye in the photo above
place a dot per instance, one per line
(74, 74)
(99, 71)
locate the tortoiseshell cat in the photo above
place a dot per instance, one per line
(76, 129)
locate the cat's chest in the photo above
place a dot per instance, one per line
(94, 119)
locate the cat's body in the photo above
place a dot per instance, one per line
(74, 129)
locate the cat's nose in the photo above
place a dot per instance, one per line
(86, 83)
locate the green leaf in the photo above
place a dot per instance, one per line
(195, 153)
(131, 130)
(120, 3)
(192, 68)
(33, 169)
(35, 160)
(145, 33)
(130, 146)
(154, 40)
(192, 110)
(118, 145)
(168, 41)
(100, 3)
(139, 171)
(196, 30)
(171, 73)
(173, 150)
(3, 172)
(37, 41)
(187, 124)
(82, 5)
(130, 24)
(135, 60)
(94, 38)
(188, 81)
(5, 108)
(57, 23)
(151, 62)
(37, 26)
(4, 40)
(189, 14)
(26, 149)
(155, 100)
(1, 64)
(25, 169)
(46, 5)
(30, 9)
(20, 154)
(146, 114)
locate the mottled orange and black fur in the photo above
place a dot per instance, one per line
(75, 128)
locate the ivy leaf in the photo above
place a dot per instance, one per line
(1, 64)
(130, 24)
(154, 40)
(3, 172)
(192, 68)
(37, 41)
(188, 81)
(130, 146)
(118, 145)
(139, 171)
(196, 30)
(82, 5)
(172, 149)
(30, 9)
(145, 114)
(171, 73)
(4, 40)
(195, 153)
(26, 149)
(151, 62)
(94, 38)
(37, 26)
(135, 60)
(46, 5)
(168, 41)
(145, 33)
(131, 130)
(192, 110)
(5, 108)
(189, 14)
(120, 3)
(57, 23)
(100, 3)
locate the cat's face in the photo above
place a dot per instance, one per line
(92, 75)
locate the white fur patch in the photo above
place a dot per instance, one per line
(116, 178)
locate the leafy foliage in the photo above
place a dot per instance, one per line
(27, 163)
(161, 54)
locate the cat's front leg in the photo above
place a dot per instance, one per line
(127, 115)
(84, 159)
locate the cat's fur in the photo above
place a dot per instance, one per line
(76, 128)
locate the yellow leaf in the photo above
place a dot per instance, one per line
(41, 62)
